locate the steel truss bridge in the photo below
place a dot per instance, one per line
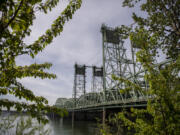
(106, 92)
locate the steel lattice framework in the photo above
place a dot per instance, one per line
(105, 91)
(114, 62)
(97, 79)
(79, 83)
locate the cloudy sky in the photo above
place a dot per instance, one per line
(80, 42)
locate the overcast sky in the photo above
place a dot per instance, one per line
(80, 42)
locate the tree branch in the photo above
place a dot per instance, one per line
(14, 16)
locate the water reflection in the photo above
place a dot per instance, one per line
(64, 127)
(58, 126)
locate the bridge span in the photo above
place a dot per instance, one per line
(119, 59)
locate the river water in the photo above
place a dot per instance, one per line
(55, 126)
(64, 127)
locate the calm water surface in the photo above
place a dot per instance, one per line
(56, 126)
(64, 127)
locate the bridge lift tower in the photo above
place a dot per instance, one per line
(79, 91)
(97, 79)
(79, 82)
(116, 62)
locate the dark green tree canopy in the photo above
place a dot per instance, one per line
(16, 17)
(163, 20)
(158, 30)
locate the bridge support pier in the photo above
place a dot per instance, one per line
(73, 120)
(103, 117)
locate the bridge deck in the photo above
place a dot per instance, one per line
(112, 104)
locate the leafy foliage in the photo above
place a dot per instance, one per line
(162, 20)
(158, 31)
(16, 17)
(103, 129)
